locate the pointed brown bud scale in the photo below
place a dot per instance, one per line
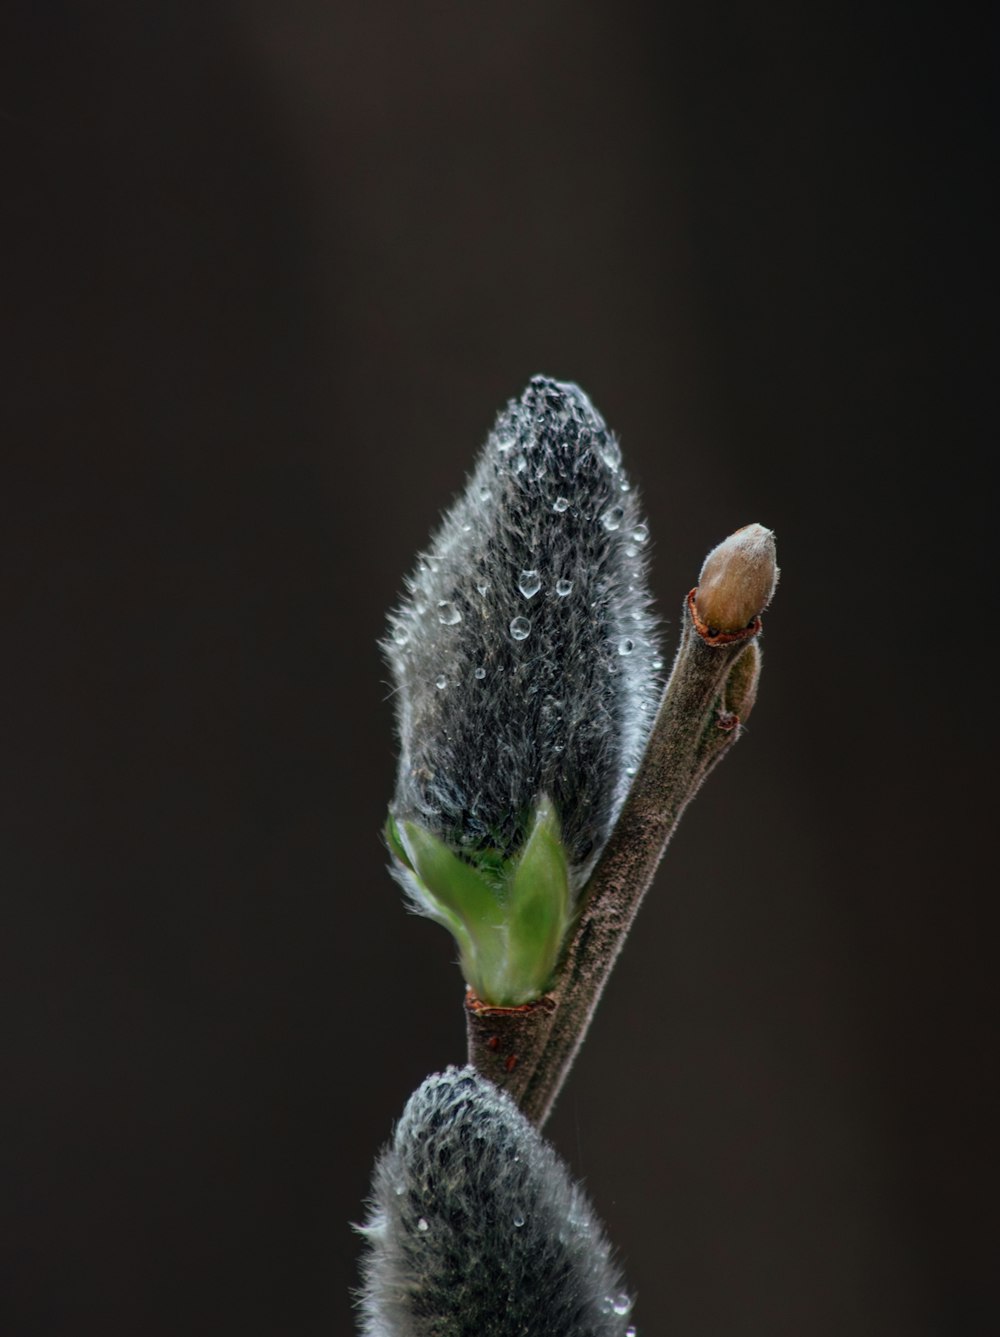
(737, 582)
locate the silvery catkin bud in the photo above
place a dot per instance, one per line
(476, 1227)
(526, 665)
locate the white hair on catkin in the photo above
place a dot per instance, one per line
(476, 1228)
(525, 653)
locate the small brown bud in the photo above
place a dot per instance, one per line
(740, 691)
(737, 580)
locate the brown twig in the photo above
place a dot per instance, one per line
(712, 686)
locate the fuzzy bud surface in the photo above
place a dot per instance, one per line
(476, 1227)
(524, 653)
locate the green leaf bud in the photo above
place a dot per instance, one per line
(508, 917)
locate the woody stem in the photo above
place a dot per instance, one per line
(529, 1051)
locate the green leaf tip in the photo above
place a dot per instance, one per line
(538, 908)
(509, 918)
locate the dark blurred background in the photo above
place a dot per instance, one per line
(268, 273)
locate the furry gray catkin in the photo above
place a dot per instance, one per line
(525, 655)
(477, 1230)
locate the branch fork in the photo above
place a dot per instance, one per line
(529, 1050)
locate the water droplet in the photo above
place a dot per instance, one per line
(518, 1221)
(480, 673)
(529, 583)
(631, 550)
(625, 485)
(422, 1225)
(421, 608)
(448, 613)
(612, 518)
(400, 1190)
(485, 494)
(630, 770)
(560, 504)
(483, 588)
(657, 663)
(520, 464)
(626, 645)
(630, 1330)
(400, 635)
(519, 628)
(441, 682)
(564, 587)
(466, 529)
(640, 534)
(622, 1304)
